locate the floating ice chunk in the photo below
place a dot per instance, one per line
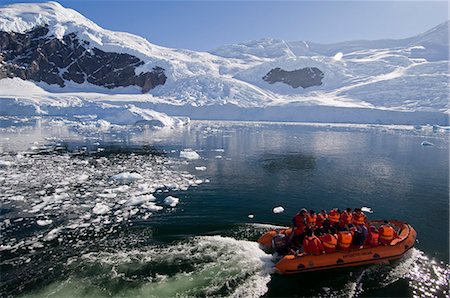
(198, 181)
(219, 156)
(82, 178)
(17, 198)
(278, 209)
(107, 195)
(189, 154)
(426, 143)
(139, 200)
(251, 216)
(151, 206)
(338, 56)
(5, 164)
(219, 150)
(127, 177)
(366, 209)
(200, 168)
(171, 201)
(44, 222)
(52, 234)
(100, 209)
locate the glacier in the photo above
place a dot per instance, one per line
(403, 81)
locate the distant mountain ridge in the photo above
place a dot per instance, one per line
(72, 57)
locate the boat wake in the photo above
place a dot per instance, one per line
(203, 266)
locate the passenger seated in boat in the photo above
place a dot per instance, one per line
(387, 233)
(346, 218)
(359, 218)
(334, 217)
(373, 237)
(312, 245)
(344, 240)
(359, 236)
(321, 217)
(311, 218)
(330, 240)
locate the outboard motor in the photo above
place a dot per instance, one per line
(279, 243)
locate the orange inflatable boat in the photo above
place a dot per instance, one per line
(290, 264)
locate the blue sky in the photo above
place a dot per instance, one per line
(203, 25)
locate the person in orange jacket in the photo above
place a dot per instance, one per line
(387, 233)
(345, 239)
(334, 217)
(346, 218)
(330, 240)
(359, 218)
(321, 217)
(311, 218)
(312, 245)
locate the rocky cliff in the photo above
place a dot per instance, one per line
(36, 56)
(304, 77)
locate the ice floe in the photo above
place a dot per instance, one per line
(200, 168)
(426, 143)
(127, 177)
(189, 154)
(171, 201)
(278, 209)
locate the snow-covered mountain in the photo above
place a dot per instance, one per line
(53, 59)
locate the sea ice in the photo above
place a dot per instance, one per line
(251, 216)
(127, 177)
(100, 209)
(171, 201)
(200, 168)
(5, 163)
(44, 222)
(278, 209)
(189, 154)
(426, 143)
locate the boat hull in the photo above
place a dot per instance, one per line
(292, 264)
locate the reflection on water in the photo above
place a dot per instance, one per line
(70, 230)
(291, 162)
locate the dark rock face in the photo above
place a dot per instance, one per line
(38, 57)
(304, 77)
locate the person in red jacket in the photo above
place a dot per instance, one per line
(330, 240)
(373, 238)
(299, 222)
(312, 245)
(321, 216)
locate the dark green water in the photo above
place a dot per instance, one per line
(205, 245)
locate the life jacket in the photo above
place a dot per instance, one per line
(358, 219)
(331, 243)
(334, 216)
(344, 240)
(299, 224)
(373, 238)
(387, 234)
(346, 218)
(320, 219)
(312, 245)
(311, 220)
